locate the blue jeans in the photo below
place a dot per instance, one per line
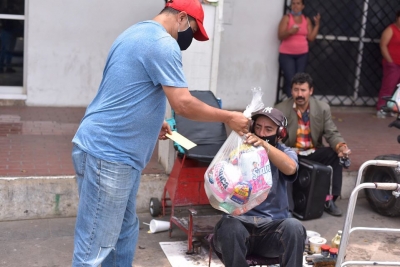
(107, 227)
(7, 41)
(236, 237)
(290, 65)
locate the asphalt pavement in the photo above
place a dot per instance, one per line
(49, 242)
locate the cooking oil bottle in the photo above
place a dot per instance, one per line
(336, 240)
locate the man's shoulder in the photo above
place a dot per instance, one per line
(148, 30)
(322, 104)
(156, 41)
(284, 104)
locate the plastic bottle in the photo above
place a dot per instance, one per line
(336, 240)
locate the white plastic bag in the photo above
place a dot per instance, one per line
(239, 177)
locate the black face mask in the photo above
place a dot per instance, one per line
(270, 139)
(185, 38)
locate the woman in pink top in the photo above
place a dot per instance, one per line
(295, 30)
(390, 50)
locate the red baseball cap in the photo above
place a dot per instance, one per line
(194, 9)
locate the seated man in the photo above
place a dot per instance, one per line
(265, 230)
(310, 120)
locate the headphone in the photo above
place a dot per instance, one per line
(281, 132)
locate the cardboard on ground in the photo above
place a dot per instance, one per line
(181, 140)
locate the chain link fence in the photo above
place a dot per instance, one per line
(345, 59)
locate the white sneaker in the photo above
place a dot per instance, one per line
(380, 114)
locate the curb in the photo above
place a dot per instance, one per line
(24, 198)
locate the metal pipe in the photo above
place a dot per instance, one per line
(374, 229)
(352, 203)
(372, 263)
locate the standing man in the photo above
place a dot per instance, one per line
(309, 121)
(121, 125)
(390, 50)
(266, 230)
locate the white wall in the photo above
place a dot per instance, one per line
(68, 42)
(249, 51)
(197, 58)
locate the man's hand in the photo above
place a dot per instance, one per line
(238, 122)
(344, 151)
(254, 140)
(164, 130)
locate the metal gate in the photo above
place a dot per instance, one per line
(345, 59)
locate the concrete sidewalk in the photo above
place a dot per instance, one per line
(49, 242)
(36, 141)
(36, 169)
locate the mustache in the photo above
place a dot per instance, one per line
(300, 98)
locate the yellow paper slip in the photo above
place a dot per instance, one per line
(181, 140)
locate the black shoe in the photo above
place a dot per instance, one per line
(332, 209)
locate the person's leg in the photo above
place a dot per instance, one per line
(5, 42)
(389, 81)
(104, 191)
(301, 63)
(327, 156)
(126, 245)
(287, 64)
(231, 240)
(281, 238)
(9, 55)
(10, 49)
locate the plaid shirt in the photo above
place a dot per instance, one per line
(303, 140)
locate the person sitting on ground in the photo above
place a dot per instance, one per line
(310, 120)
(266, 230)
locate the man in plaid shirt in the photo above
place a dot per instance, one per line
(309, 121)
